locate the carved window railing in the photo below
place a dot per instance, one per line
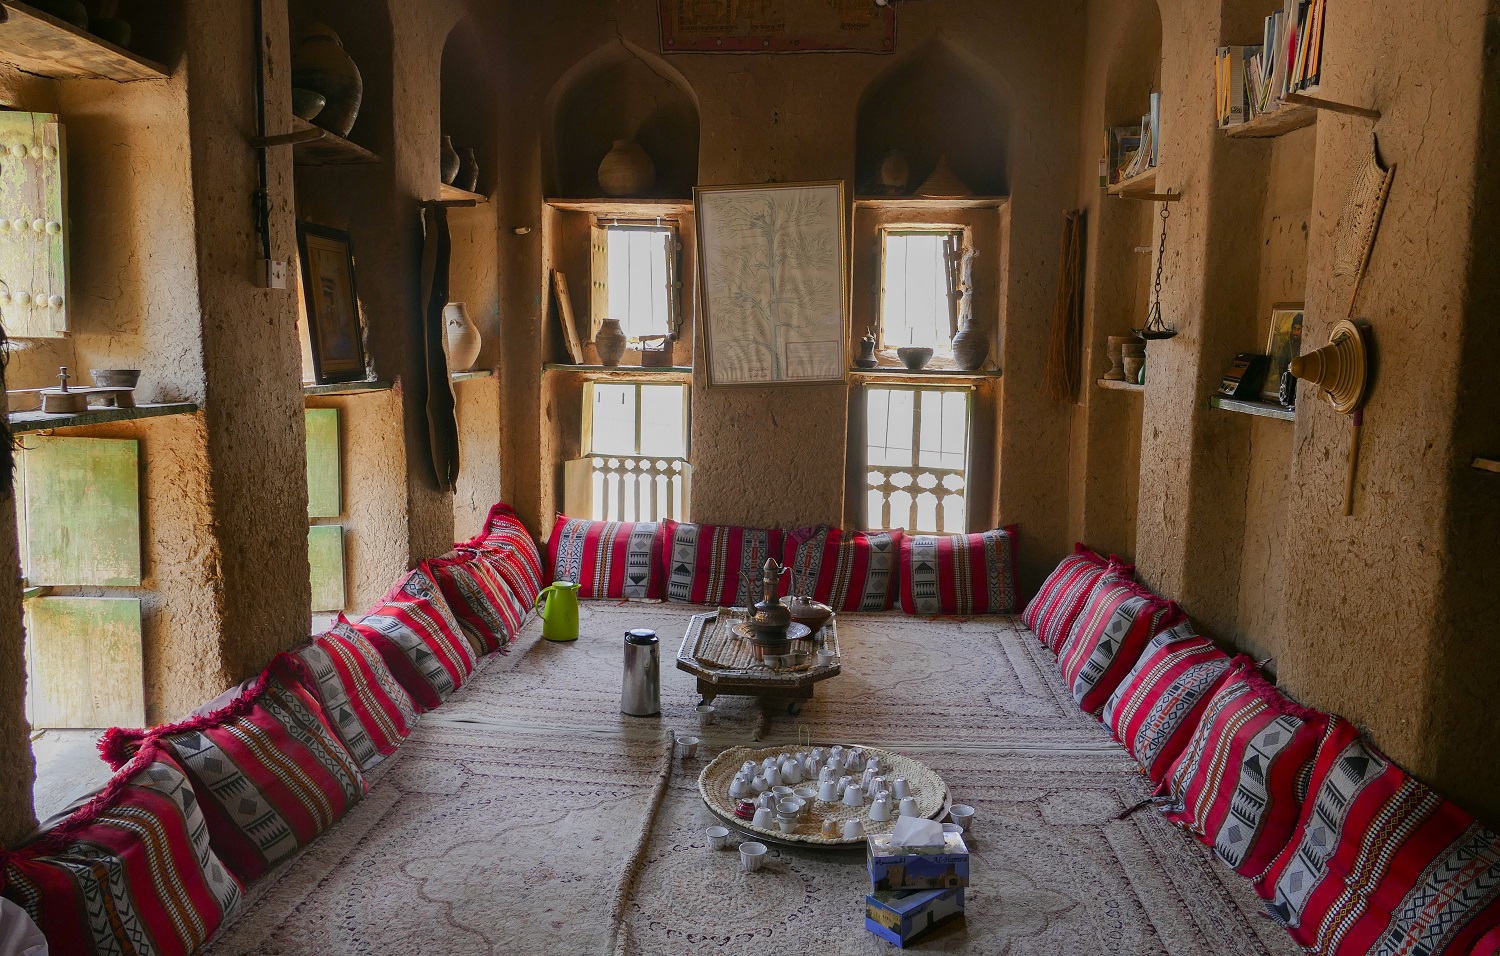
(628, 488)
(917, 458)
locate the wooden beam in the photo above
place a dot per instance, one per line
(1487, 464)
(1318, 103)
(289, 139)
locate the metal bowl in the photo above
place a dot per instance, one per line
(812, 613)
(914, 357)
(115, 377)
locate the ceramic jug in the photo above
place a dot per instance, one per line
(558, 606)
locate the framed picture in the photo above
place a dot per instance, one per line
(1283, 344)
(334, 330)
(772, 268)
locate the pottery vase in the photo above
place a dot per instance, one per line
(307, 103)
(866, 358)
(463, 337)
(1116, 371)
(610, 343)
(450, 161)
(321, 65)
(971, 346)
(1133, 358)
(627, 170)
(895, 173)
(468, 170)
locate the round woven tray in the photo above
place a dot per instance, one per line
(922, 781)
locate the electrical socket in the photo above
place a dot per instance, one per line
(274, 273)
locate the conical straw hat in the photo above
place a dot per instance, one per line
(1341, 368)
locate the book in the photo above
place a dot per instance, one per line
(1234, 101)
(1246, 375)
(1155, 119)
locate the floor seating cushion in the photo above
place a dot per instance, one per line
(1050, 615)
(363, 700)
(1119, 618)
(1241, 780)
(959, 574)
(506, 541)
(1382, 864)
(607, 559)
(268, 768)
(132, 871)
(705, 563)
(484, 600)
(1157, 706)
(846, 570)
(420, 640)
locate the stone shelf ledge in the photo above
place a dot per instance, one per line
(1120, 386)
(24, 422)
(898, 373)
(346, 388)
(38, 42)
(327, 149)
(470, 376)
(1260, 409)
(624, 373)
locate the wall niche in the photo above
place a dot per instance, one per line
(621, 92)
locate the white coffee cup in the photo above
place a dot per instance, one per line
(899, 789)
(908, 806)
(828, 791)
(786, 824)
(853, 829)
(687, 747)
(963, 815)
(706, 714)
(758, 784)
(752, 855)
(739, 786)
(791, 771)
(877, 784)
(873, 764)
(766, 800)
(825, 658)
(718, 837)
(748, 767)
(830, 829)
(853, 796)
(773, 777)
(782, 792)
(765, 817)
(807, 793)
(880, 810)
(817, 754)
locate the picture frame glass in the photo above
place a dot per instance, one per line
(335, 332)
(1283, 344)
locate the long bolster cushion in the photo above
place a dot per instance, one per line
(511, 547)
(1117, 621)
(1156, 708)
(607, 559)
(846, 570)
(483, 599)
(131, 871)
(705, 563)
(1382, 864)
(1051, 614)
(364, 702)
(960, 573)
(419, 639)
(1240, 783)
(268, 768)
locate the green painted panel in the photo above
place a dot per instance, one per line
(325, 554)
(33, 193)
(324, 491)
(84, 662)
(82, 503)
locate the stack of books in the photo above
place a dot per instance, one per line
(1253, 80)
(1132, 150)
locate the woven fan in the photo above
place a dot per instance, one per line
(1359, 220)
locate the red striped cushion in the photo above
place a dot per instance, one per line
(481, 597)
(1051, 613)
(1381, 864)
(1239, 784)
(422, 644)
(132, 871)
(506, 541)
(1117, 621)
(360, 695)
(1156, 708)
(607, 559)
(960, 573)
(846, 570)
(703, 563)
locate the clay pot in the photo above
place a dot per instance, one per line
(914, 357)
(610, 343)
(468, 170)
(307, 103)
(1116, 371)
(72, 11)
(627, 170)
(450, 161)
(971, 346)
(1134, 366)
(463, 337)
(321, 65)
(866, 358)
(895, 172)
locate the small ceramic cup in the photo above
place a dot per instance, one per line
(758, 784)
(748, 767)
(807, 793)
(767, 800)
(899, 789)
(831, 829)
(963, 815)
(752, 855)
(791, 771)
(765, 818)
(828, 791)
(880, 810)
(853, 829)
(825, 658)
(706, 714)
(790, 807)
(953, 828)
(908, 806)
(817, 754)
(773, 777)
(873, 764)
(853, 796)
(877, 784)
(739, 786)
(782, 792)
(786, 825)
(687, 747)
(718, 837)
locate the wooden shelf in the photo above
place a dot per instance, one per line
(1120, 386)
(890, 373)
(631, 208)
(929, 202)
(1278, 123)
(23, 422)
(40, 43)
(346, 388)
(1259, 409)
(1487, 464)
(470, 376)
(626, 373)
(447, 193)
(1142, 186)
(328, 149)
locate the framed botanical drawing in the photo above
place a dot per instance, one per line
(772, 280)
(334, 330)
(1283, 344)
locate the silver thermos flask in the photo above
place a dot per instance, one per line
(640, 695)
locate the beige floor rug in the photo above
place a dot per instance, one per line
(527, 816)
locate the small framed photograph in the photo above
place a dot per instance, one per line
(334, 330)
(1283, 344)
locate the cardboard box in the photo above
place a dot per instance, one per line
(901, 917)
(893, 868)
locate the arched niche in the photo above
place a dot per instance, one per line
(621, 92)
(1134, 65)
(470, 110)
(936, 103)
(365, 29)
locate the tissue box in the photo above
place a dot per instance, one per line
(918, 867)
(900, 917)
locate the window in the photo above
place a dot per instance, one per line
(916, 283)
(917, 459)
(635, 277)
(635, 441)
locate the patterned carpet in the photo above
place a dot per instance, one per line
(528, 816)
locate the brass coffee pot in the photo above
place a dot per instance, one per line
(770, 618)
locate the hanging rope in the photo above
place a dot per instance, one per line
(1065, 355)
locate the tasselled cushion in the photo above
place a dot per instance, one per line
(269, 769)
(511, 547)
(608, 559)
(131, 871)
(420, 640)
(482, 598)
(1240, 782)
(960, 574)
(846, 570)
(707, 564)
(368, 707)
(1050, 615)
(1118, 620)
(1156, 708)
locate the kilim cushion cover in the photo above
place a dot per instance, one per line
(703, 562)
(481, 597)
(846, 570)
(607, 559)
(420, 640)
(507, 542)
(370, 710)
(1051, 613)
(960, 573)
(132, 871)
(1117, 621)
(268, 769)
(1240, 782)
(1381, 864)
(1156, 708)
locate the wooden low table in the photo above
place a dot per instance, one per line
(726, 667)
